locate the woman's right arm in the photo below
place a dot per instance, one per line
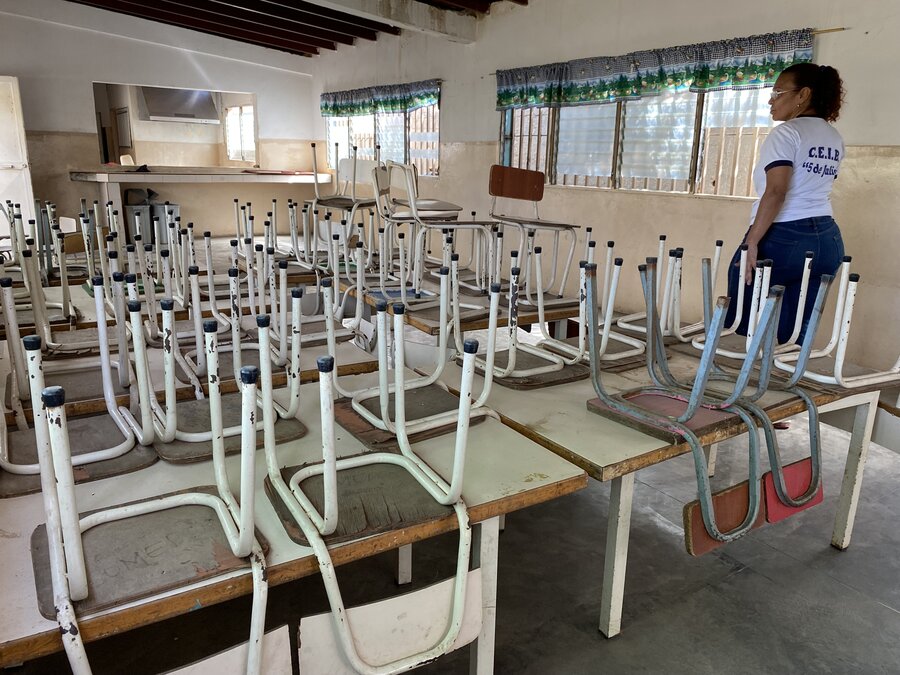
(778, 178)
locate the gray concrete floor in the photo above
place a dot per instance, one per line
(780, 600)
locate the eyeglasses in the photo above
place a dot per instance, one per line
(775, 93)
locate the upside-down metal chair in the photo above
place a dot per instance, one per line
(22, 364)
(159, 424)
(513, 373)
(382, 417)
(637, 405)
(65, 528)
(315, 524)
(579, 352)
(834, 373)
(736, 346)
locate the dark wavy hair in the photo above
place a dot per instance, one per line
(826, 85)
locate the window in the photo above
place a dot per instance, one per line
(657, 141)
(423, 139)
(337, 132)
(240, 133)
(585, 144)
(735, 123)
(406, 137)
(391, 131)
(526, 136)
(675, 142)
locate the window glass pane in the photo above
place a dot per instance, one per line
(735, 123)
(391, 133)
(248, 134)
(338, 131)
(658, 133)
(528, 142)
(233, 132)
(424, 139)
(362, 135)
(585, 145)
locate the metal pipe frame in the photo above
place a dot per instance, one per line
(314, 525)
(236, 520)
(610, 288)
(620, 404)
(554, 362)
(31, 354)
(791, 363)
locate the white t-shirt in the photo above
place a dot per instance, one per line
(815, 149)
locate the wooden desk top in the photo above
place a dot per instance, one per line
(558, 418)
(504, 472)
(432, 326)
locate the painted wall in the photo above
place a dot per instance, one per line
(58, 49)
(544, 31)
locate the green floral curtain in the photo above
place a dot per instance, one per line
(532, 86)
(738, 63)
(383, 98)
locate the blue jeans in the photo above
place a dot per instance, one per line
(786, 244)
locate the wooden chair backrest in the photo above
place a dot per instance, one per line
(74, 240)
(511, 183)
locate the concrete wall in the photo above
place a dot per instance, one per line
(865, 199)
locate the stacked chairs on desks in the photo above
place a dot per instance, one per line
(317, 523)
(102, 439)
(70, 575)
(673, 410)
(828, 365)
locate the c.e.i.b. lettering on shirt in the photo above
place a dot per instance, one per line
(824, 152)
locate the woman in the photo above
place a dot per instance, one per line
(798, 163)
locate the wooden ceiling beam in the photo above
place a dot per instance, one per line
(142, 11)
(479, 6)
(200, 9)
(337, 15)
(410, 15)
(273, 12)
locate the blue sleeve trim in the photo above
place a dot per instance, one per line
(779, 162)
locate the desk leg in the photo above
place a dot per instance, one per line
(560, 329)
(484, 555)
(616, 558)
(404, 564)
(711, 451)
(853, 472)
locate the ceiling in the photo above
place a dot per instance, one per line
(302, 28)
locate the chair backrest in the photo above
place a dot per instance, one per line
(404, 177)
(346, 177)
(67, 225)
(512, 183)
(382, 183)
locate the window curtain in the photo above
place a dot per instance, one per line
(390, 98)
(738, 63)
(532, 87)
